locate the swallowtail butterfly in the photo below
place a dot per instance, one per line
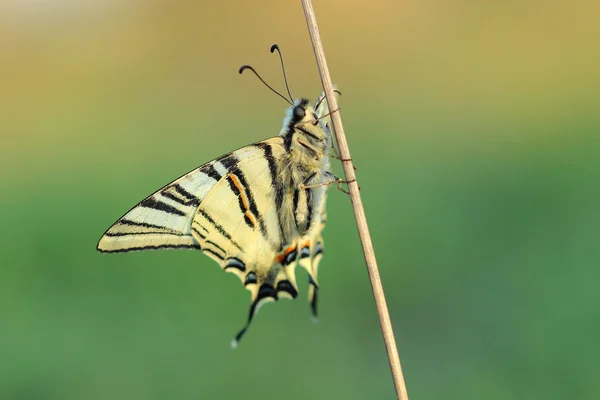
(257, 211)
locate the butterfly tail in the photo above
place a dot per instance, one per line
(280, 282)
(310, 257)
(313, 291)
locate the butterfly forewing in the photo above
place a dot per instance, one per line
(164, 219)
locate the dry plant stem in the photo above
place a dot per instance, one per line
(359, 212)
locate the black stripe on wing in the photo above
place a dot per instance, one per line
(240, 188)
(219, 228)
(179, 195)
(268, 153)
(228, 161)
(197, 232)
(278, 190)
(160, 229)
(216, 246)
(150, 202)
(157, 247)
(213, 173)
(117, 234)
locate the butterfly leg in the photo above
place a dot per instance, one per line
(340, 182)
(337, 157)
(329, 179)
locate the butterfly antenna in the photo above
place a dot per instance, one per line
(323, 98)
(328, 114)
(245, 67)
(273, 48)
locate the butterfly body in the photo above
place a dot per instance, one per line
(306, 163)
(257, 211)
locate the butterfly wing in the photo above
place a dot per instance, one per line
(310, 256)
(247, 211)
(228, 209)
(238, 225)
(163, 220)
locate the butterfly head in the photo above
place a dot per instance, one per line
(306, 137)
(303, 132)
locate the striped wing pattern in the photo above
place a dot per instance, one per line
(228, 209)
(310, 257)
(163, 220)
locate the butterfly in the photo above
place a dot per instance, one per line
(258, 211)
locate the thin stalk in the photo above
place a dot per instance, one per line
(357, 206)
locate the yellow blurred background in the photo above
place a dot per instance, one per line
(475, 128)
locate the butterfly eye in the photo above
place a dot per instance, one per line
(299, 113)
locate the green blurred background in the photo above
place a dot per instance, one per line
(475, 128)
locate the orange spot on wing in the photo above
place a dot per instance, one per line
(283, 255)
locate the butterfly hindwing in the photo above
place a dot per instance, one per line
(237, 225)
(310, 257)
